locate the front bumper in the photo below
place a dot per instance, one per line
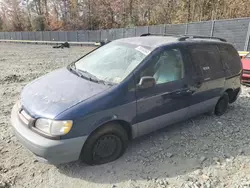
(46, 150)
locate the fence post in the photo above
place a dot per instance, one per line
(123, 32)
(212, 29)
(186, 29)
(66, 35)
(42, 38)
(78, 36)
(247, 38)
(49, 35)
(101, 34)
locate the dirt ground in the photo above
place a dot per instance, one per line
(206, 151)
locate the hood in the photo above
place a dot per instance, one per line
(57, 91)
(246, 64)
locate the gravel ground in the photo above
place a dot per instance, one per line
(206, 151)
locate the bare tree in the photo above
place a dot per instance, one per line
(97, 14)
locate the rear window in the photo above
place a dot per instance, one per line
(206, 59)
(230, 58)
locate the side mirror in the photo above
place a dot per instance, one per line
(146, 82)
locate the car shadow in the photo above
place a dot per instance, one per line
(175, 150)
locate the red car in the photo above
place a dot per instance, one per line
(246, 69)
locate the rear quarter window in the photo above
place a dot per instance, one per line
(206, 59)
(230, 59)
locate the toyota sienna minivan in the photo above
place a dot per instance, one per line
(123, 90)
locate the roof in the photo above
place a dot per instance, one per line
(153, 41)
(149, 41)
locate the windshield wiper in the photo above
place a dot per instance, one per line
(90, 76)
(86, 75)
(72, 67)
(78, 72)
(106, 82)
(95, 79)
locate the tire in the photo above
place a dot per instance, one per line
(106, 144)
(222, 105)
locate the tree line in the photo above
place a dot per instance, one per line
(40, 15)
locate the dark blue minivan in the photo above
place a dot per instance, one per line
(122, 90)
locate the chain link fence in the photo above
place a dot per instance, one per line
(236, 31)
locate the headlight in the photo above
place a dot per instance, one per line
(53, 127)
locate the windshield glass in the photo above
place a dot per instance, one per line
(247, 56)
(112, 62)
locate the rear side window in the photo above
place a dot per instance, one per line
(206, 59)
(230, 58)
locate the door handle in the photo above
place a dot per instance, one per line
(183, 92)
(190, 92)
(187, 92)
(198, 84)
(165, 95)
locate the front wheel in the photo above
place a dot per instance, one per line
(105, 145)
(222, 105)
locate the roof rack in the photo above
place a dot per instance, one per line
(200, 37)
(153, 34)
(185, 37)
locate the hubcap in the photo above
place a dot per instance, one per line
(223, 105)
(105, 147)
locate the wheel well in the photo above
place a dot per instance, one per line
(231, 94)
(127, 128)
(125, 125)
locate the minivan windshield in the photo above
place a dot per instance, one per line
(112, 62)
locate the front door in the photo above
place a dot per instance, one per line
(167, 101)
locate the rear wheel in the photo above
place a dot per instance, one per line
(105, 145)
(222, 105)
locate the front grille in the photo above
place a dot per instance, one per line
(25, 118)
(246, 71)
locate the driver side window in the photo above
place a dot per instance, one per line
(167, 66)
